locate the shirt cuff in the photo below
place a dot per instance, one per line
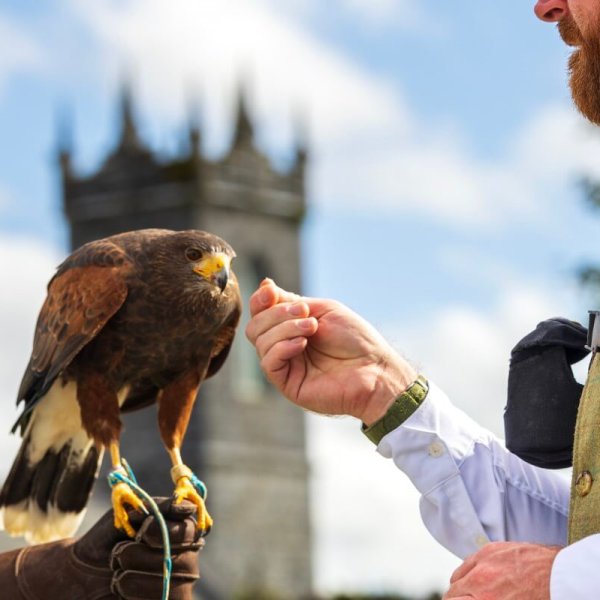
(575, 574)
(437, 422)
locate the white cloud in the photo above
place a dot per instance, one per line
(555, 146)
(434, 176)
(209, 45)
(26, 266)
(19, 51)
(434, 172)
(385, 14)
(370, 150)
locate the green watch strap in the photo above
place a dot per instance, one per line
(404, 406)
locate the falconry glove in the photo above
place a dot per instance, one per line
(543, 395)
(105, 564)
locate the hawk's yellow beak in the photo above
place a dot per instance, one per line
(215, 268)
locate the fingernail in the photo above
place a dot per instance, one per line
(266, 281)
(297, 310)
(305, 324)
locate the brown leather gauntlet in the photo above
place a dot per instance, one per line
(105, 564)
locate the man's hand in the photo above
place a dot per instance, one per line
(504, 571)
(324, 357)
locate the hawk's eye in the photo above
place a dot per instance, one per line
(193, 254)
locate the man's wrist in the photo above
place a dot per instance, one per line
(401, 409)
(395, 378)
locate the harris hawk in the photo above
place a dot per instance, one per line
(129, 320)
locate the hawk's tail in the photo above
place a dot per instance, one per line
(46, 492)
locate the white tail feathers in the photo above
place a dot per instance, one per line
(45, 495)
(28, 520)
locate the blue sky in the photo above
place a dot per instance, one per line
(445, 156)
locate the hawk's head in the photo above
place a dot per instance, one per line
(193, 261)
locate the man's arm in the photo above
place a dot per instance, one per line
(473, 489)
(323, 357)
(483, 492)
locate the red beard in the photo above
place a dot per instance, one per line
(584, 69)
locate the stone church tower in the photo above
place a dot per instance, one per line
(244, 441)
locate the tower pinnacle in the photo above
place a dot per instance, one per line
(64, 141)
(128, 139)
(244, 131)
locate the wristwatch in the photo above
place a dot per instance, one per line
(404, 406)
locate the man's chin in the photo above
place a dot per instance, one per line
(584, 82)
(584, 69)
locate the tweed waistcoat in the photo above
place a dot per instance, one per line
(584, 513)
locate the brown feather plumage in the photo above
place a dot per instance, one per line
(78, 305)
(119, 307)
(130, 313)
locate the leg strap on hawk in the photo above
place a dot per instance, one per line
(126, 475)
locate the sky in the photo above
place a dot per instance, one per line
(445, 204)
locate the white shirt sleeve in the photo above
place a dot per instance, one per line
(575, 571)
(474, 490)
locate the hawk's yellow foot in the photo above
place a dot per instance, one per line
(123, 495)
(185, 490)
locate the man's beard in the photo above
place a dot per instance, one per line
(584, 69)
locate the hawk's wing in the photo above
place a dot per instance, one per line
(88, 289)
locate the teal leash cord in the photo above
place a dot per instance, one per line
(116, 477)
(199, 485)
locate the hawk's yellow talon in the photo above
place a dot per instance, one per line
(123, 495)
(186, 491)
